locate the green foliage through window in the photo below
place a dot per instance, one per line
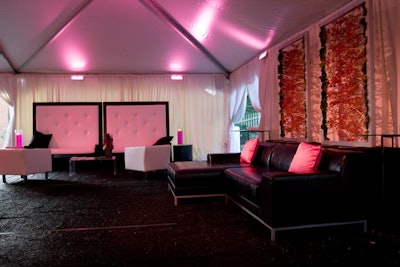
(250, 119)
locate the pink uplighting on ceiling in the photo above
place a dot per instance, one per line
(201, 26)
(75, 60)
(200, 29)
(243, 36)
(175, 67)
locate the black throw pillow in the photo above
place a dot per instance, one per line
(166, 140)
(40, 140)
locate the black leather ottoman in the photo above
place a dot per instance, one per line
(194, 179)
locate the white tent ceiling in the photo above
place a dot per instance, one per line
(147, 36)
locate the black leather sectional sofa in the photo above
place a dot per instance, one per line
(281, 200)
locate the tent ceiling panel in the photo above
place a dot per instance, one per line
(147, 36)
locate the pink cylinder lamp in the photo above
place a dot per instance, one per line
(180, 137)
(18, 138)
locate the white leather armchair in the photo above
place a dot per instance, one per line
(147, 158)
(20, 161)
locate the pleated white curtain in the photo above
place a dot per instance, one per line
(7, 93)
(269, 93)
(198, 104)
(242, 82)
(386, 38)
(237, 108)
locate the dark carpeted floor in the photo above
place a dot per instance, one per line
(97, 219)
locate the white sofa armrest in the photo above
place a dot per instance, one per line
(147, 158)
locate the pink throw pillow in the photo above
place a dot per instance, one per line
(249, 150)
(307, 158)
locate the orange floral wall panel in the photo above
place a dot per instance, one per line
(344, 98)
(292, 95)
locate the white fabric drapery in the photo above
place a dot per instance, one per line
(242, 82)
(237, 109)
(386, 38)
(269, 93)
(7, 93)
(198, 104)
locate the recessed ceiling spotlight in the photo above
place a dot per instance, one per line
(263, 55)
(176, 77)
(77, 77)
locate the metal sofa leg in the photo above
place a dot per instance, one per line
(4, 178)
(273, 235)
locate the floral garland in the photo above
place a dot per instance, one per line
(344, 94)
(292, 94)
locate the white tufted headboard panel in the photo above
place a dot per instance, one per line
(76, 127)
(136, 123)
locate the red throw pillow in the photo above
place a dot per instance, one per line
(249, 150)
(307, 158)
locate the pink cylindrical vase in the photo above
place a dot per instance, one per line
(18, 138)
(180, 137)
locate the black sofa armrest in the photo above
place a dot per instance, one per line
(223, 158)
(355, 168)
(288, 198)
(282, 196)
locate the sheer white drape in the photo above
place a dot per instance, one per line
(198, 104)
(7, 93)
(242, 82)
(269, 93)
(249, 74)
(386, 38)
(237, 108)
